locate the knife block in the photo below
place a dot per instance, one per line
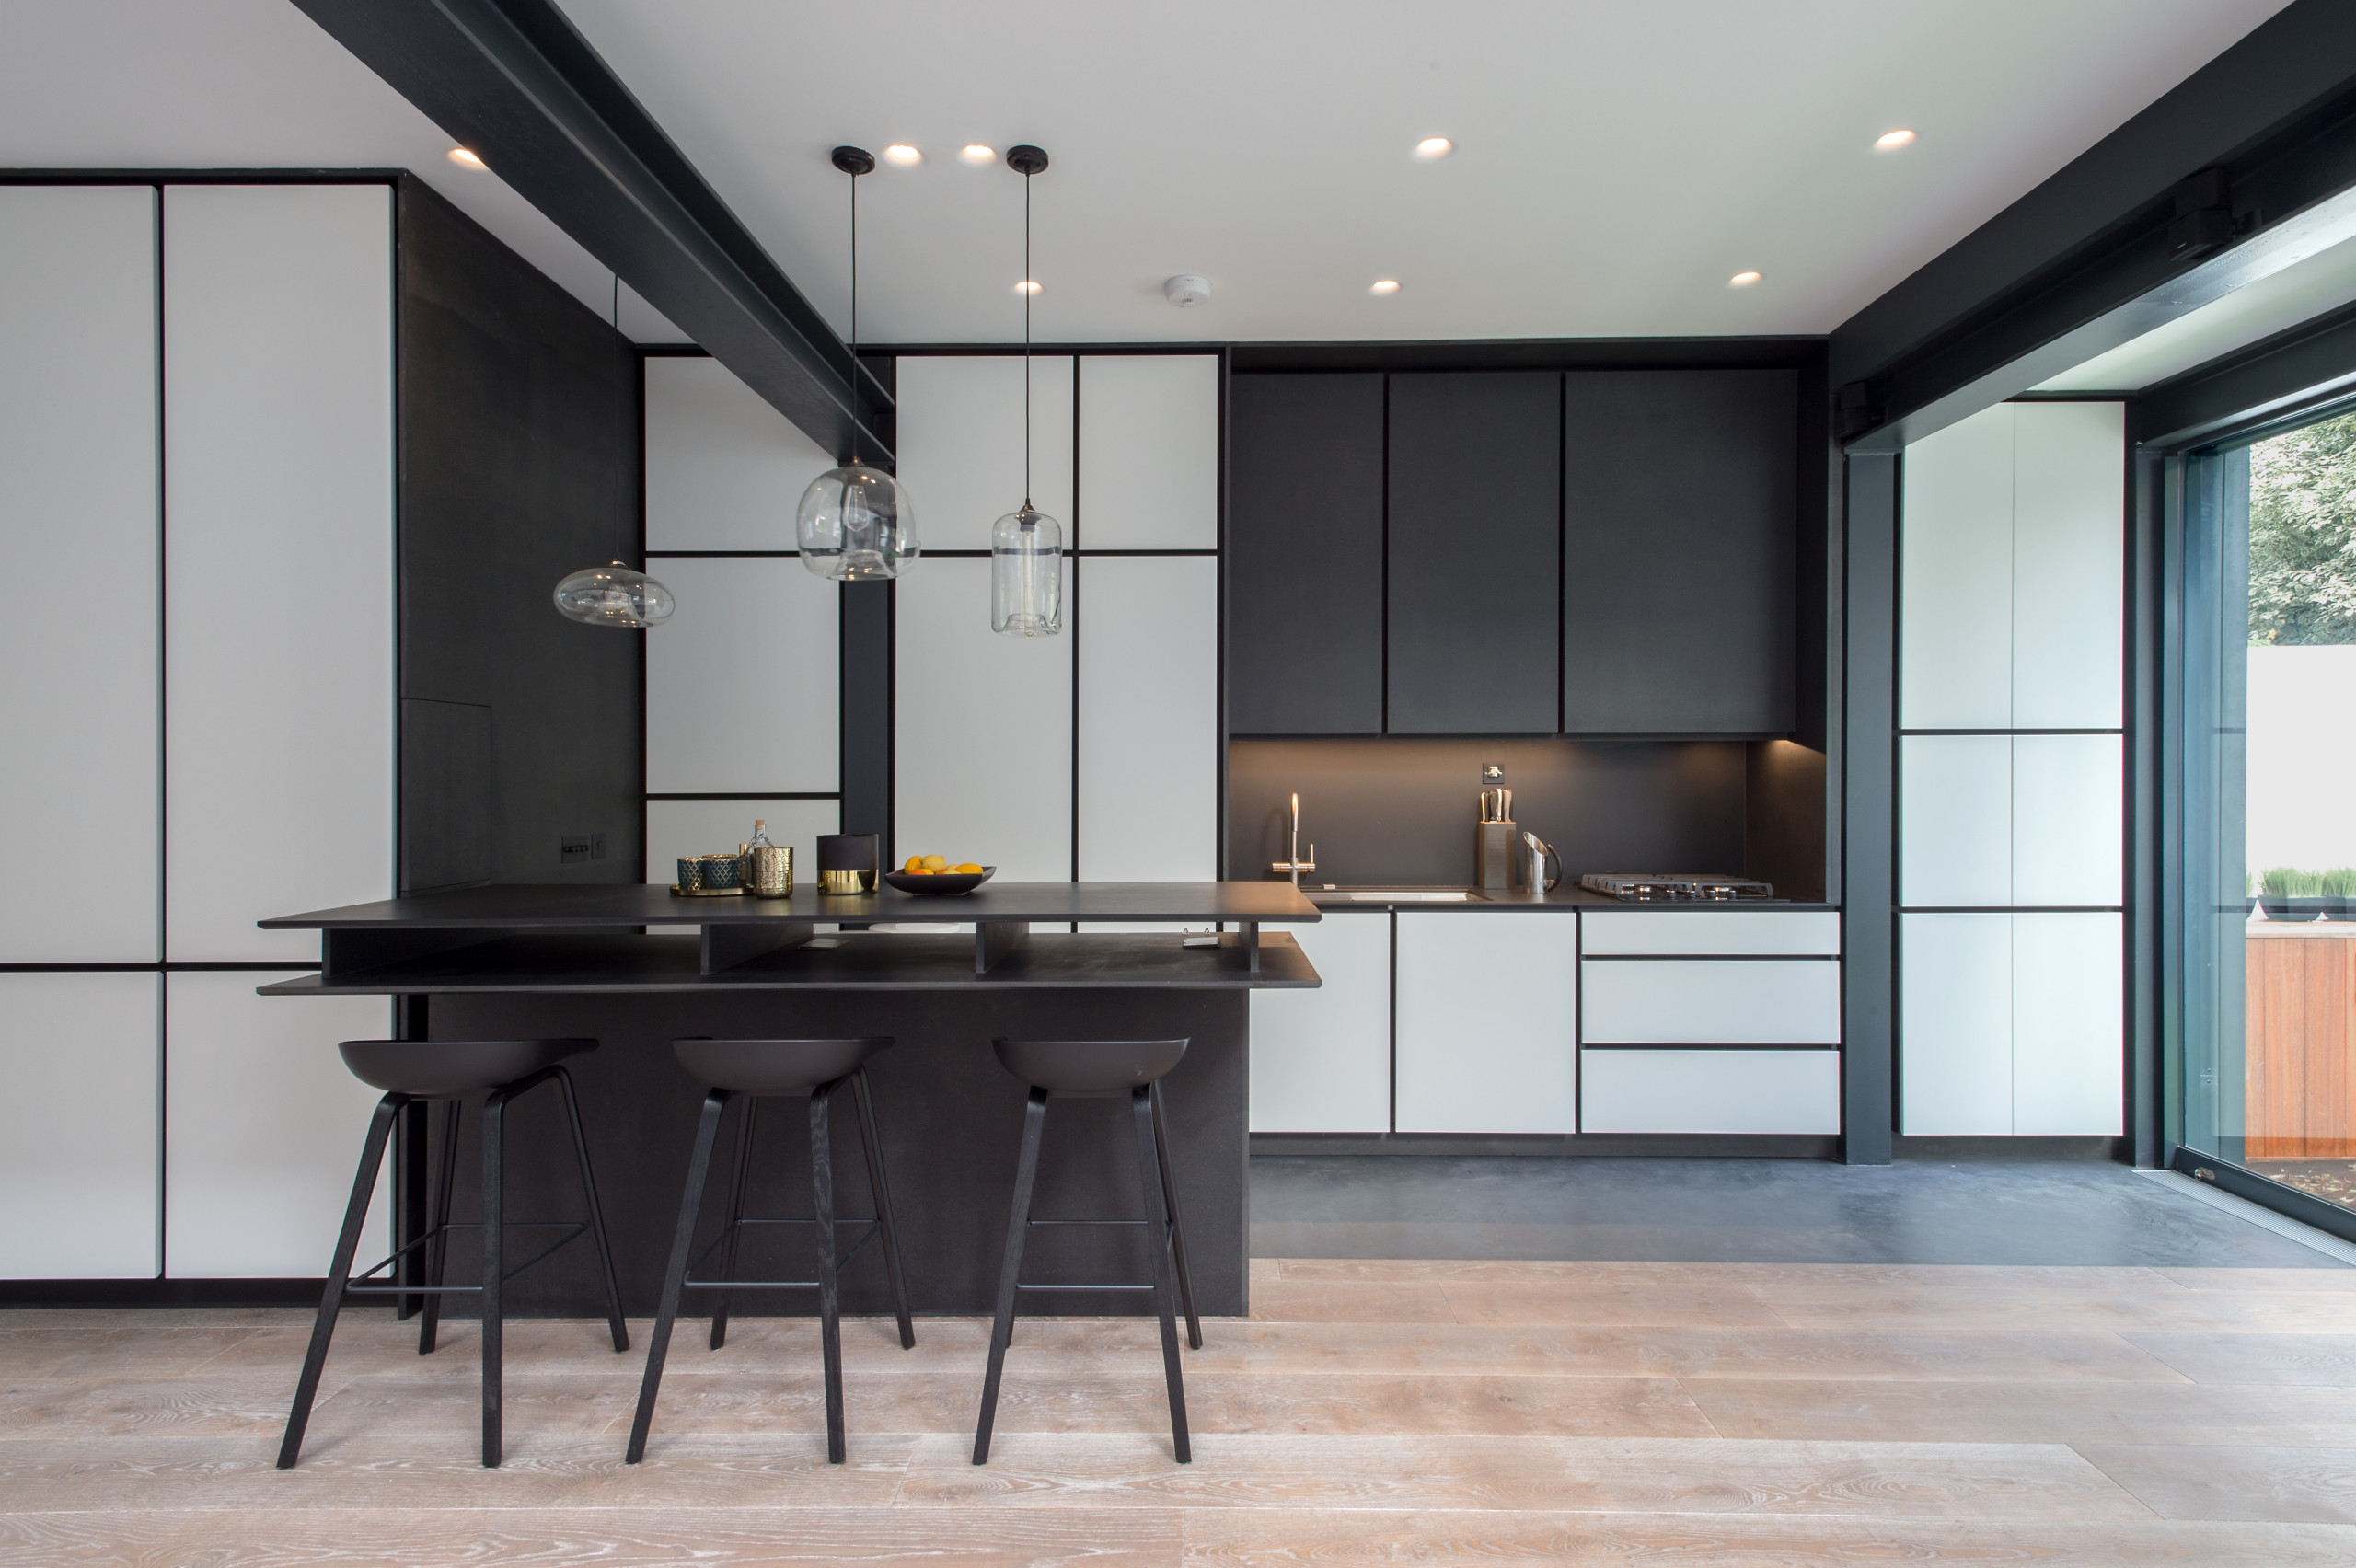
(1493, 855)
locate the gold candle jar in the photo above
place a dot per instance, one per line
(768, 871)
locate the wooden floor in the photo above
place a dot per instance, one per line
(1632, 1415)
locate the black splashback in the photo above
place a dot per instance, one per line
(1403, 808)
(519, 463)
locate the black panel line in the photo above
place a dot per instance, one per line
(749, 795)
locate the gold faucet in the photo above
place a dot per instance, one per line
(1295, 865)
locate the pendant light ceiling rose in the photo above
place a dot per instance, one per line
(854, 161)
(1026, 160)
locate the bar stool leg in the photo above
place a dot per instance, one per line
(355, 1215)
(674, 1278)
(1156, 1218)
(736, 1220)
(1177, 1224)
(883, 1194)
(596, 1215)
(822, 1209)
(1018, 1225)
(494, 1268)
(437, 1242)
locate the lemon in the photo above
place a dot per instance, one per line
(916, 863)
(969, 870)
(936, 862)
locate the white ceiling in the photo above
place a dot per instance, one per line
(244, 84)
(1618, 162)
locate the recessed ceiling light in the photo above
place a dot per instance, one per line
(1028, 285)
(1742, 279)
(1890, 141)
(979, 154)
(901, 153)
(1387, 286)
(1432, 148)
(465, 159)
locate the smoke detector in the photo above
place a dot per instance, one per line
(1186, 289)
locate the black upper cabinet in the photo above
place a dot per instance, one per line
(1680, 507)
(1475, 484)
(1304, 555)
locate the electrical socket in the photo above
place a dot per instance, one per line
(574, 849)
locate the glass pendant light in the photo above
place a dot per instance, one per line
(1026, 545)
(613, 595)
(855, 524)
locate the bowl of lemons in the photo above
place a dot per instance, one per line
(933, 875)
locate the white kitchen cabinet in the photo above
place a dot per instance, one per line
(1955, 982)
(2068, 1040)
(1710, 1002)
(743, 683)
(78, 455)
(278, 560)
(2069, 832)
(1956, 577)
(1955, 820)
(1149, 452)
(78, 1183)
(1145, 631)
(1702, 932)
(1709, 1091)
(984, 729)
(724, 471)
(2069, 565)
(1321, 1059)
(263, 1126)
(960, 444)
(674, 828)
(1486, 1009)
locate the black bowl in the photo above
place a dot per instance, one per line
(939, 882)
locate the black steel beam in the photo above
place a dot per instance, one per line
(2311, 364)
(2106, 249)
(516, 83)
(1868, 887)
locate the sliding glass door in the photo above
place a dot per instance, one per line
(2267, 689)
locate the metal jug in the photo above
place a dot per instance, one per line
(1531, 857)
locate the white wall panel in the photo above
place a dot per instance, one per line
(2069, 539)
(984, 730)
(1145, 634)
(1321, 1059)
(263, 1126)
(278, 395)
(1703, 931)
(1710, 1002)
(674, 828)
(1149, 452)
(724, 471)
(743, 682)
(1484, 1012)
(1956, 1024)
(1709, 1091)
(78, 499)
(78, 1183)
(1955, 820)
(960, 444)
(2067, 820)
(1955, 580)
(2067, 1040)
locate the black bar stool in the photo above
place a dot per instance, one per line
(754, 1070)
(1098, 1069)
(448, 1071)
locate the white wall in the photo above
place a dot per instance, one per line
(724, 471)
(2302, 756)
(960, 444)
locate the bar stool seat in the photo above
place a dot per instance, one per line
(1098, 1069)
(754, 1070)
(445, 1070)
(414, 1073)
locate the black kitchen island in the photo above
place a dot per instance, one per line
(637, 966)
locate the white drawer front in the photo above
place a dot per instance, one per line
(1709, 1091)
(1710, 1002)
(1709, 931)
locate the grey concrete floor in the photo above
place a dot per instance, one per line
(2083, 1212)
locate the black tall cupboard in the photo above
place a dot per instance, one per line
(1474, 543)
(1680, 511)
(1304, 555)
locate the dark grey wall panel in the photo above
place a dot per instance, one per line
(1474, 542)
(445, 794)
(1680, 495)
(519, 463)
(1304, 555)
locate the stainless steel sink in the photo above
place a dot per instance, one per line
(1414, 895)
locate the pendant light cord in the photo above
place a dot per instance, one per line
(856, 419)
(1030, 287)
